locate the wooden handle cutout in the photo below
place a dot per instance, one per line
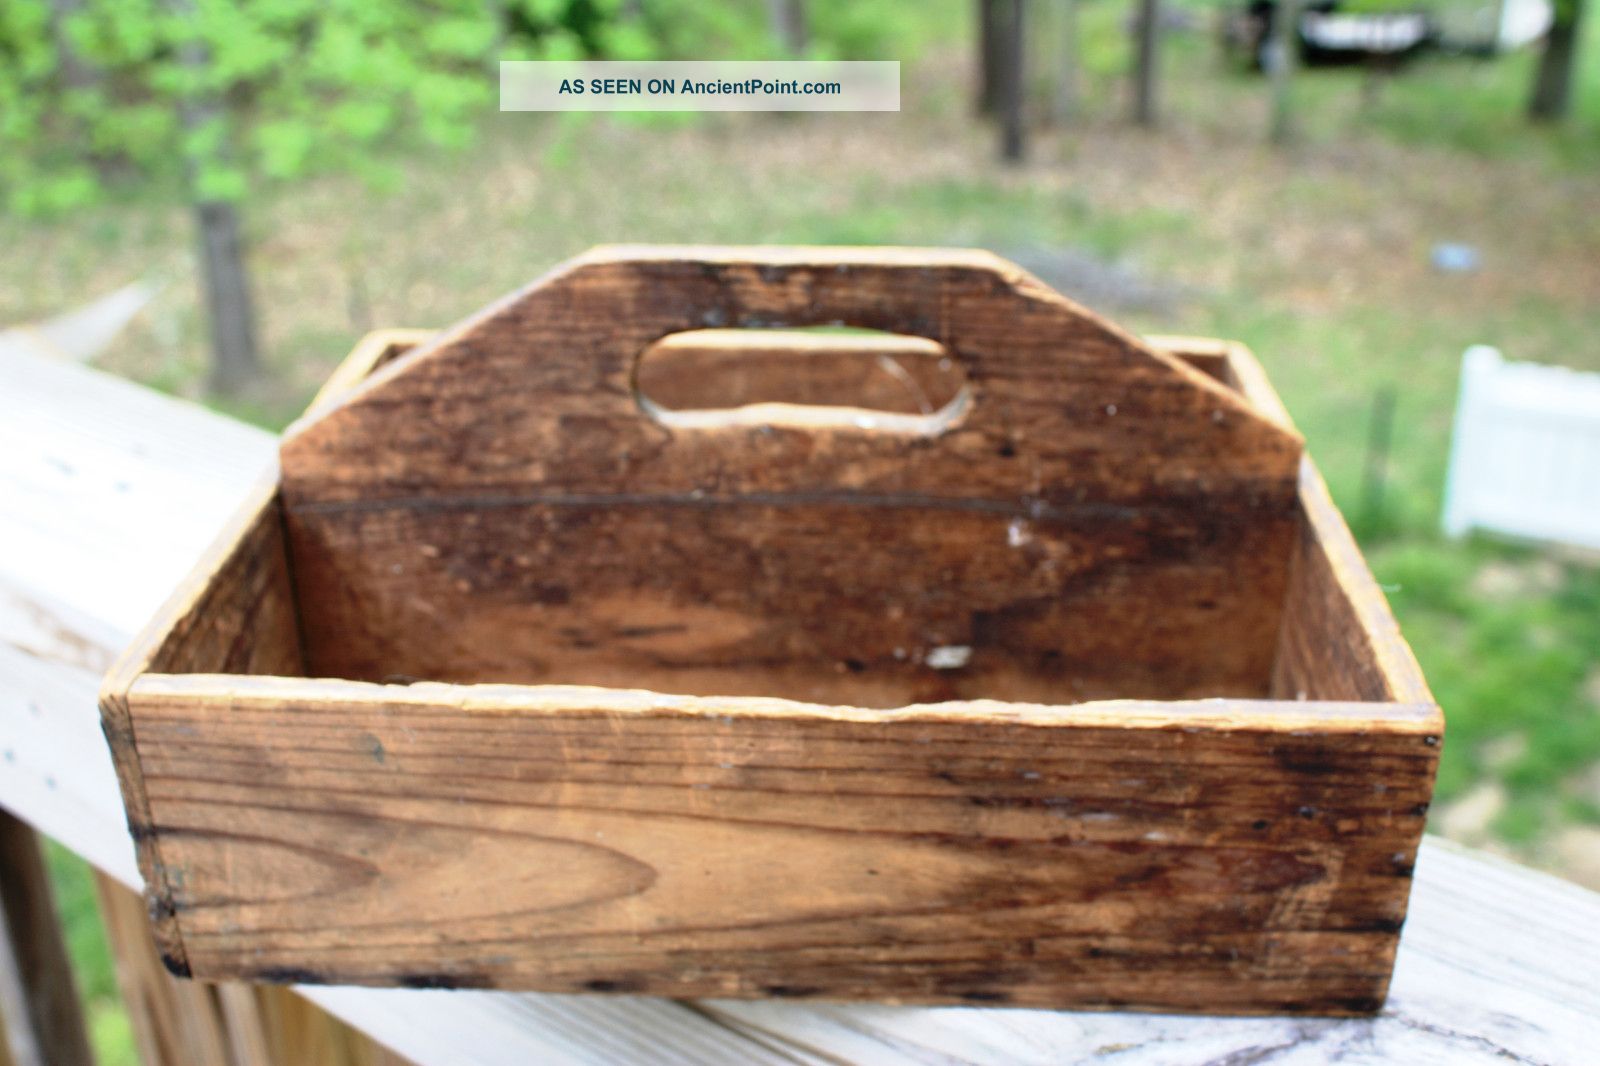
(883, 382)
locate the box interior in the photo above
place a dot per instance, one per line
(1275, 615)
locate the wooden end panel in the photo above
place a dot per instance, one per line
(1206, 856)
(372, 352)
(243, 620)
(234, 614)
(1205, 354)
(1339, 640)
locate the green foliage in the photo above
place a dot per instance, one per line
(93, 971)
(1507, 638)
(225, 95)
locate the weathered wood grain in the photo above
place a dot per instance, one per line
(1223, 856)
(834, 602)
(237, 614)
(1042, 369)
(1339, 641)
(1097, 518)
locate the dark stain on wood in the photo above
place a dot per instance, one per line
(287, 975)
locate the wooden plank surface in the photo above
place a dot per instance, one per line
(1497, 963)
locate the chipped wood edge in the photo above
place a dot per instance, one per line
(1208, 715)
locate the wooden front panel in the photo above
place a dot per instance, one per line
(1216, 856)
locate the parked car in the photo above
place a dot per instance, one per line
(1329, 34)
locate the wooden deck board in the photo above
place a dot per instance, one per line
(1497, 963)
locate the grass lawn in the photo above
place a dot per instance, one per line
(1317, 256)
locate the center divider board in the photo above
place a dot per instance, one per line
(1093, 519)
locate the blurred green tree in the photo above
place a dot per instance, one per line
(221, 97)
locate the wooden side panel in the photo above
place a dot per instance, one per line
(1095, 518)
(537, 391)
(1207, 856)
(1339, 641)
(244, 621)
(234, 614)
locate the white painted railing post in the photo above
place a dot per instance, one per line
(1525, 461)
(1478, 366)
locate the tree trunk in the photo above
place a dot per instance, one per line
(75, 73)
(1148, 29)
(224, 279)
(229, 309)
(789, 25)
(1013, 76)
(990, 28)
(1283, 55)
(1066, 87)
(1552, 84)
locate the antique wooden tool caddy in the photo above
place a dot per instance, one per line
(1069, 689)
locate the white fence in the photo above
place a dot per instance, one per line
(1525, 459)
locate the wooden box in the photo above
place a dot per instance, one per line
(1071, 690)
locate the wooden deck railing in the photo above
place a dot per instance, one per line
(108, 491)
